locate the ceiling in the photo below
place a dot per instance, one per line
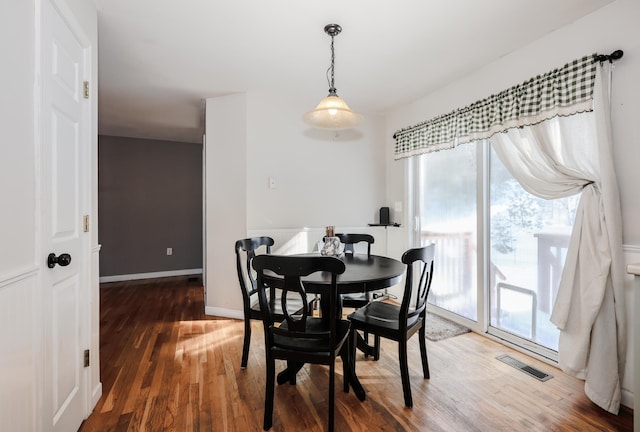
(159, 59)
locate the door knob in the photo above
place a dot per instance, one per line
(63, 260)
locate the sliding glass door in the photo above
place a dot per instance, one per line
(447, 196)
(528, 244)
(500, 251)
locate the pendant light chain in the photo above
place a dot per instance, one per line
(332, 88)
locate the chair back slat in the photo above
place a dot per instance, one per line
(246, 251)
(349, 240)
(421, 259)
(293, 285)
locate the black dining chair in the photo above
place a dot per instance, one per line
(304, 338)
(246, 251)
(399, 323)
(355, 300)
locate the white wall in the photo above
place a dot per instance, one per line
(17, 190)
(613, 27)
(225, 199)
(320, 179)
(18, 272)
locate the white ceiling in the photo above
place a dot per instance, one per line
(159, 59)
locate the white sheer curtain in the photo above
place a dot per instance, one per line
(561, 157)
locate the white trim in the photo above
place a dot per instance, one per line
(626, 398)
(96, 394)
(632, 260)
(15, 277)
(38, 305)
(631, 249)
(633, 269)
(524, 345)
(223, 312)
(153, 275)
(290, 241)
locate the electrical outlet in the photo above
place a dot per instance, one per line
(169, 251)
(272, 183)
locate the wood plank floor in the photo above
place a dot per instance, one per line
(165, 366)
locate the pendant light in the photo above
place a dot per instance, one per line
(332, 112)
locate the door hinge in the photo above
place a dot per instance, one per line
(85, 223)
(85, 89)
(86, 358)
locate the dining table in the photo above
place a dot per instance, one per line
(363, 273)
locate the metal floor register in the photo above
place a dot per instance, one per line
(529, 370)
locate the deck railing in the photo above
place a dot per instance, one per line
(455, 258)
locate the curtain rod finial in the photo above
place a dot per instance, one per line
(617, 54)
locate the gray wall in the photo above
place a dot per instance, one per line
(149, 199)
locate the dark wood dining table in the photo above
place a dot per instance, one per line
(362, 274)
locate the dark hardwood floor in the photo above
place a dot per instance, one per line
(165, 366)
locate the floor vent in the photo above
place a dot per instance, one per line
(536, 373)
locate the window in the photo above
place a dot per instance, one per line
(515, 279)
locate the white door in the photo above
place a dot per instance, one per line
(63, 160)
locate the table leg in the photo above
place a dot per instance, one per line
(355, 384)
(355, 341)
(285, 375)
(363, 346)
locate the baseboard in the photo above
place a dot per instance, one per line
(96, 395)
(152, 275)
(626, 398)
(223, 312)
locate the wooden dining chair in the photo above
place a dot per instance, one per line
(399, 323)
(302, 339)
(246, 251)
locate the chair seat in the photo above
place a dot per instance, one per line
(380, 317)
(311, 345)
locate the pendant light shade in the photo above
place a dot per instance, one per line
(332, 112)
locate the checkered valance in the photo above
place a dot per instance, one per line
(563, 91)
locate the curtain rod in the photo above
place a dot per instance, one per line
(616, 55)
